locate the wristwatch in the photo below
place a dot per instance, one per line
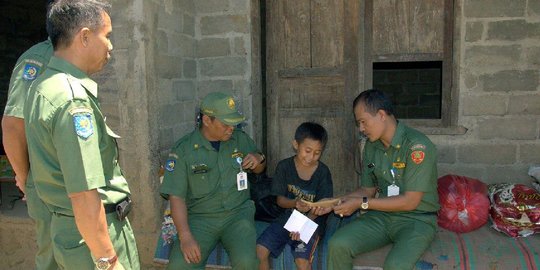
(263, 158)
(105, 263)
(365, 203)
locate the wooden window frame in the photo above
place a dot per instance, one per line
(447, 124)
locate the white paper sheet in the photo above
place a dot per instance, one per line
(302, 224)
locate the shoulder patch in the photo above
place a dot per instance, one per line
(418, 156)
(83, 124)
(169, 165)
(30, 72)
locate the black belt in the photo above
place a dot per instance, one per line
(112, 207)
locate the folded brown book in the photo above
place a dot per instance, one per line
(325, 203)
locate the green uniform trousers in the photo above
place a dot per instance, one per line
(411, 234)
(39, 212)
(234, 229)
(71, 252)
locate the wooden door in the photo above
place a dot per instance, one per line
(312, 75)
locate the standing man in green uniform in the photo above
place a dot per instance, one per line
(206, 184)
(73, 154)
(400, 164)
(29, 66)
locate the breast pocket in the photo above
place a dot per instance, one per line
(200, 185)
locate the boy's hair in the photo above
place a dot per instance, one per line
(312, 131)
(374, 100)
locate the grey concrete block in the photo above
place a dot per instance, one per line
(214, 25)
(494, 8)
(509, 30)
(189, 25)
(481, 58)
(515, 173)
(446, 154)
(529, 153)
(213, 47)
(170, 21)
(224, 66)
(511, 80)
(206, 87)
(533, 8)
(167, 139)
(122, 38)
(484, 105)
(171, 114)
(473, 31)
(460, 169)
(532, 57)
(514, 128)
(239, 47)
(182, 45)
(166, 93)
(534, 30)
(190, 68)
(502, 153)
(211, 6)
(162, 41)
(184, 89)
(240, 6)
(168, 67)
(528, 104)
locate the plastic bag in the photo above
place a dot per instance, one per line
(515, 209)
(464, 203)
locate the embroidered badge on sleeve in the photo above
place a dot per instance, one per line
(83, 125)
(169, 165)
(30, 72)
(417, 156)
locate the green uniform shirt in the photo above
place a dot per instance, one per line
(28, 67)
(414, 159)
(71, 149)
(206, 178)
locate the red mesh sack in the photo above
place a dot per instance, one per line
(515, 209)
(464, 203)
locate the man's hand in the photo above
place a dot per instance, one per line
(347, 206)
(190, 248)
(20, 181)
(251, 161)
(302, 206)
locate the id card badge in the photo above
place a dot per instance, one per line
(393, 190)
(241, 180)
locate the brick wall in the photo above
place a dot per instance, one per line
(499, 78)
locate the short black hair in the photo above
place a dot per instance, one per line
(66, 17)
(312, 131)
(374, 100)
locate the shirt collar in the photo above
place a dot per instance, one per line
(198, 140)
(64, 66)
(397, 140)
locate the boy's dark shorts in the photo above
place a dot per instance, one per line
(275, 237)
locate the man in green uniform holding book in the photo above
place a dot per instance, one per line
(72, 152)
(400, 164)
(206, 183)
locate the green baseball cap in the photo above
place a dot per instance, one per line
(221, 106)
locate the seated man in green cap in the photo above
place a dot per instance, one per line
(206, 183)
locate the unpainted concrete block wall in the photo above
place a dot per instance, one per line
(499, 94)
